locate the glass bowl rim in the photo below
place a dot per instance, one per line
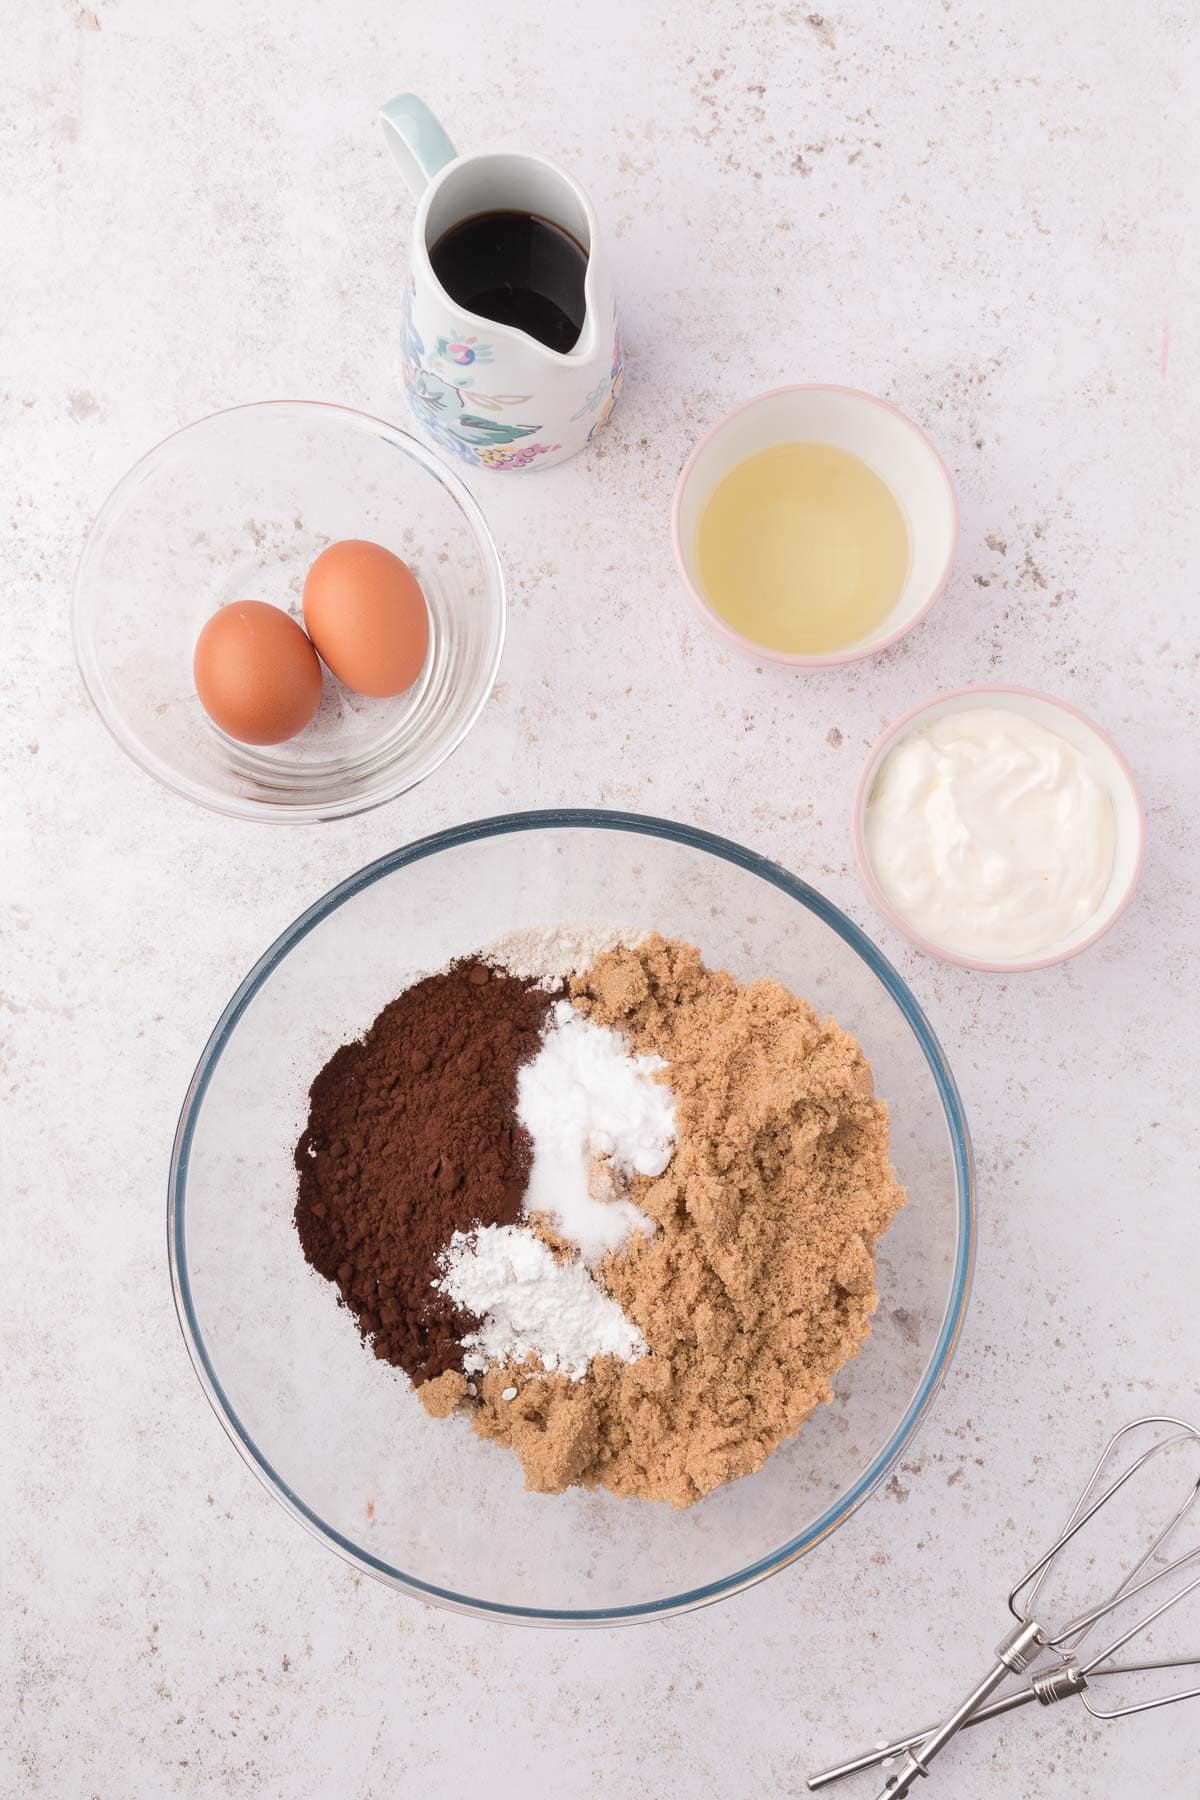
(200, 792)
(503, 825)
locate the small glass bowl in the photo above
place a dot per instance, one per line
(238, 506)
(340, 1439)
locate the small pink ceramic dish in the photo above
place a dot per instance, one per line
(1105, 762)
(898, 452)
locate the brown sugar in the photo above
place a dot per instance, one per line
(759, 1282)
(440, 1395)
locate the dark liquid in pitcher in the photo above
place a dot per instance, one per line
(518, 269)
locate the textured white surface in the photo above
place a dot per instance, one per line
(980, 213)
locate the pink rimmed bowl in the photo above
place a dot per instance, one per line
(1105, 762)
(890, 444)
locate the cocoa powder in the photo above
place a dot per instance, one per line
(412, 1135)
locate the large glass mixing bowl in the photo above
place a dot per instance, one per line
(339, 1438)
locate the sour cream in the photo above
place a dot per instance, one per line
(990, 835)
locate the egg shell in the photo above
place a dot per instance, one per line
(256, 674)
(367, 616)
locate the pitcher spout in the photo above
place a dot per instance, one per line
(512, 357)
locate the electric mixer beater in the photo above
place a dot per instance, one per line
(1167, 1583)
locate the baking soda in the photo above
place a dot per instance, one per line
(597, 1117)
(531, 1304)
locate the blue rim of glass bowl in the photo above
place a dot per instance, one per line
(964, 1170)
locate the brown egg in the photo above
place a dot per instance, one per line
(256, 673)
(366, 614)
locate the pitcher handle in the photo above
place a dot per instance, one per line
(416, 140)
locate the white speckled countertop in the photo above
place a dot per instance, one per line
(988, 225)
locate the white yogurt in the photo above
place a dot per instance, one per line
(990, 835)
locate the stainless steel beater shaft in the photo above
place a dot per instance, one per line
(1020, 1648)
(871, 1759)
(1046, 1686)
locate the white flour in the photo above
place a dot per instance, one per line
(549, 954)
(586, 1097)
(531, 1304)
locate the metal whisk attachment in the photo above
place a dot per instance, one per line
(1162, 1584)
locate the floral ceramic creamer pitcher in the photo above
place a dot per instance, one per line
(487, 391)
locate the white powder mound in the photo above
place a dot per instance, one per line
(584, 1097)
(531, 1304)
(550, 954)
